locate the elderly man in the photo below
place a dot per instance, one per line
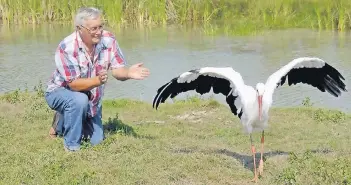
(76, 87)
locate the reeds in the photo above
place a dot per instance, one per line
(241, 14)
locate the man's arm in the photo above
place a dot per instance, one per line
(84, 84)
(121, 73)
(118, 63)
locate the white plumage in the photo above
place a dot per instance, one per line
(250, 104)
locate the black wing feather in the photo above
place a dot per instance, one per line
(201, 85)
(326, 78)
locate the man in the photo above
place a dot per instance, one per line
(76, 87)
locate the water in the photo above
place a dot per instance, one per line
(27, 57)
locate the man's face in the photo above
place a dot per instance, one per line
(91, 31)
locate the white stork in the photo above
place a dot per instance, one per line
(249, 104)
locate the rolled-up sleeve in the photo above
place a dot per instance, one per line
(67, 65)
(117, 58)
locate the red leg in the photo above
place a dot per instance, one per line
(260, 168)
(254, 160)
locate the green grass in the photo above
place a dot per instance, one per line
(193, 141)
(236, 16)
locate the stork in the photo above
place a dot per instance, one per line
(251, 105)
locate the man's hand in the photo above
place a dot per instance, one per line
(86, 84)
(138, 72)
(103, 76)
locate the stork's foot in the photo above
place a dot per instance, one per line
(255, 179)
(260, 168)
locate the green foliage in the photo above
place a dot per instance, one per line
(310, 168)
(237, 16)
(19, 96)
(39, 89)
(333, 116)
(121, 103)
(322, 115)
(307, 102)
(12, 97)
(115, 125)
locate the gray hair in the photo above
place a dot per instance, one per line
(86, 13)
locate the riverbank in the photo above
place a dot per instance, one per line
(238, 15)
(189, 142)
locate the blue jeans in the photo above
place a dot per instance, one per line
(72, 107)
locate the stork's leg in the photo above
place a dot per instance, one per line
(254, 159)
(260, 168)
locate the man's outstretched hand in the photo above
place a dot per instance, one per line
(138, 72)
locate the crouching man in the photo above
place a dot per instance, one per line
(76, 88)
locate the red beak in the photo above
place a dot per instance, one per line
(260, 106)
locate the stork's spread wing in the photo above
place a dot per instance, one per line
(311, 71)
(222, 80)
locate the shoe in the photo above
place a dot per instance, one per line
(75, 149)
(55, 121)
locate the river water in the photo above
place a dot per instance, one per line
(27, 57)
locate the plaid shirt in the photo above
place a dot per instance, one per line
(72, 62)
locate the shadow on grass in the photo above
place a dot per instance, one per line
(115, 125)
(247, 160)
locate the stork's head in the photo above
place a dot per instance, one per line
(260, 90)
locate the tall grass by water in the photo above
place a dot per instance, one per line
(240, 14)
